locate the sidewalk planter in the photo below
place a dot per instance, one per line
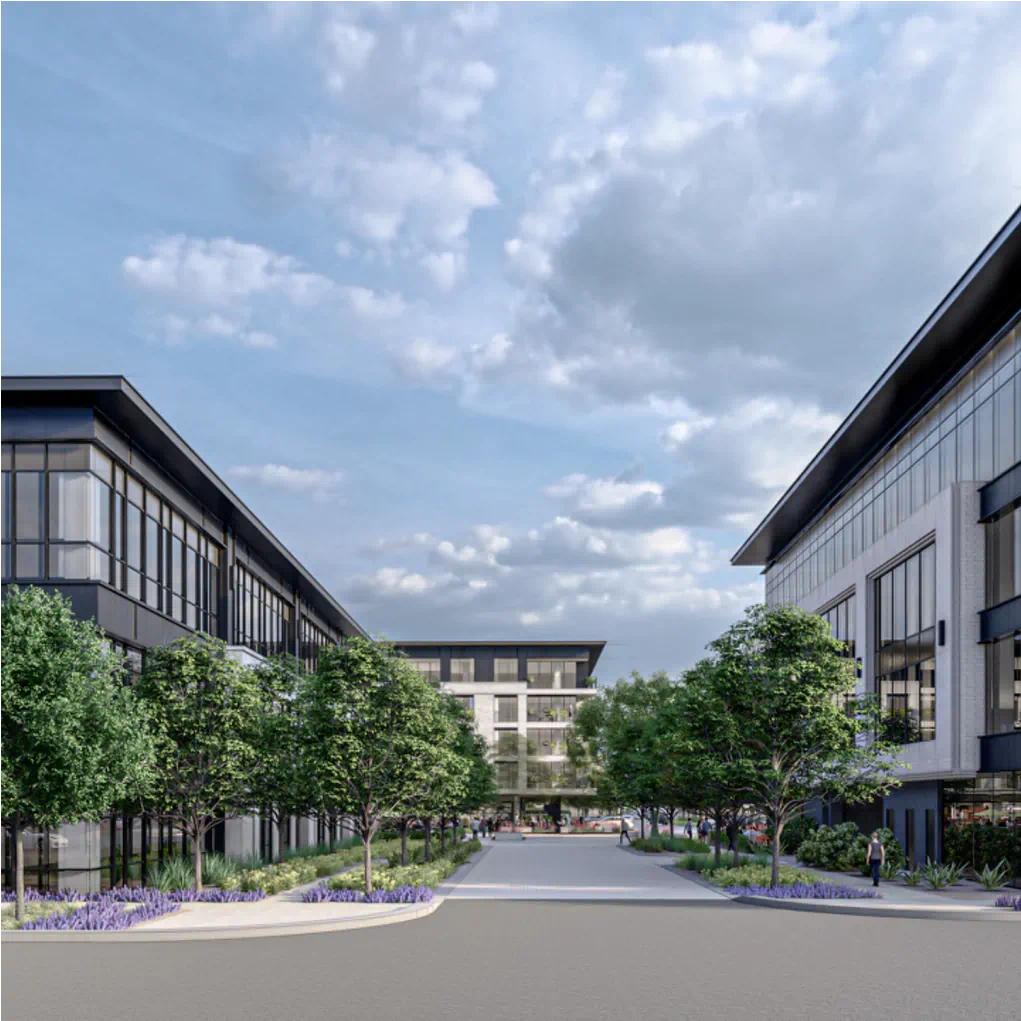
(324, 893)
(1014, 903)
(107, 913)
(804, 891)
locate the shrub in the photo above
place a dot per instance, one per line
(912, 876)
(678, 845)
(175, 873)
(707, 862)
(426, 874)
(888, 871)
(983, 845)
(216, 869)
(1006, 901)
(759, 875)
(843, 848)
(993, 877)
(813, 890)
(941, 876)
(796, 832)
(35, 909)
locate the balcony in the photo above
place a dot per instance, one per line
(1000, 753)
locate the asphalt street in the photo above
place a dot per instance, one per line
(503, 960)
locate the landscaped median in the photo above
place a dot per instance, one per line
(395, 884)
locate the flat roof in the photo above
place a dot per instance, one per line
(595, 648)
(125, 408)
(978, 306)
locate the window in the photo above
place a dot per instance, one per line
(506, 708)
(1003, 557)
(547, 741)
(553, 776)
(505, 671)
(507, 744)
(552, 673)
(462, 670)
(972, 433)
(428, 668)
(262, 615)
(905, 663)
(551, 708)
(843, 622)
(1003, 685)
(507, 776)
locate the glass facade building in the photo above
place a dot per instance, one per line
(104, 503)
(904, 533)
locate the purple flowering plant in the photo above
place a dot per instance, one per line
(800, 891)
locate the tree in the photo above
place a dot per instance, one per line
(371, 724)
(480, 781)
(74, 738)
(709, 752)
(279, 784)
(204, 710)
(783, 681)
(615, 740)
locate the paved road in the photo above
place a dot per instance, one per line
(574, 868)
(505, 960)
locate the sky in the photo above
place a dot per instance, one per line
(510, 321)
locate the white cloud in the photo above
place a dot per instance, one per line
(351, 46)
(372, 305)
(604, 102)
(445, 268)
(427, 361)
(478, 75)
(344, 249)
(221, 270)
(604, 495)
(475, 17)
(492, 354)
(386, 190)
(176, 329)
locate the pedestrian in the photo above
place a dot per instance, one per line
(875, 857)
(687, 830)
(475, 828)
(624, 834)
(493, 823)
(482, 828)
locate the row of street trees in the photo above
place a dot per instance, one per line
(201, 737)
(765, 724)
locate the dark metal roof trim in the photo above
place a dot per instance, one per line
(596, 647)
(977, 307)
(125, 408)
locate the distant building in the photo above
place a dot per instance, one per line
(524, 697)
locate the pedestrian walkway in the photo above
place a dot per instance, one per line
(579, 868)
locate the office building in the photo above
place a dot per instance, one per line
(105, 503)
(904, 531)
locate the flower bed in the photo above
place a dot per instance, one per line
(295, 871)
(1006, 901)
(759, 875)
(804, 891)
(324, 893)
(395, 876)
(138, 894)
(107, 913)
(8, 896)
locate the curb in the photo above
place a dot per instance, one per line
(405, 913)
(949, 914)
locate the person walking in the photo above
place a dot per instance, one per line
(492, 828)
(475, 828)
(482, 827)
(687, 830)
(625, 826)
(875, 857)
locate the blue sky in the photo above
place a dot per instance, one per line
(510, 321)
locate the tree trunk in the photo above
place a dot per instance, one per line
(443, 834)
(777, 831)
(654, 821)
(332, 823)
(282, 821)
(641, 822)
(367, 859)
(19, 867)
(196, 853)
(673, 812)
(428, 839)
(404, 842)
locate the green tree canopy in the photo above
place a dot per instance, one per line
(204, 710)
(74, 739)
(779, 685)
(372, 724)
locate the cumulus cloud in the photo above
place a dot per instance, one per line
(218, 271)
(371, 305)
